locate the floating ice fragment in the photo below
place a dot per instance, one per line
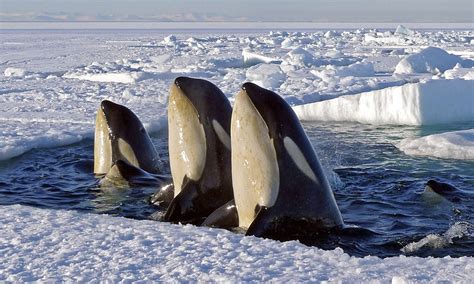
(448, 145)
(15, 72)
(429, 60)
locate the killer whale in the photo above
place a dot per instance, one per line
(279, 186)
(120, 135)
(199, 149)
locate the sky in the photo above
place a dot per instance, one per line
(243, 10)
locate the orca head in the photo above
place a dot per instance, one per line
(439, 190)
(120, 135)
(255, 171)
(198, 116)
(272, 158)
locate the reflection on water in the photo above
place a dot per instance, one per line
(379, 190)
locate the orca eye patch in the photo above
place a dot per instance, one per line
(298, 158)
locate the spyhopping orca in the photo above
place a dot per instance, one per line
(280, 189)
(119, 135)
(199, 149)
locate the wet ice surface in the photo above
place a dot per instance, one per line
(52, 82)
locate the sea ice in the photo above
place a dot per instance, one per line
(429, 60)
(359, 69)
(251, 58)
(448, 145)
(269, 76)
(299, 57)
(55, 86)
(56, 245)
(402, 30)
(15, 72)
(424, 103)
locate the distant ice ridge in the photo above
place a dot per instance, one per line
(424, 103)
(57, 245)
(435, 241)
(430, 60)
(448, 145)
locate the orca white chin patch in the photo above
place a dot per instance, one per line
(102, 145)
(255, 173)
(187, 140)
(298, 158)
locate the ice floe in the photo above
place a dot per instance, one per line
(56, 245)
(432, 102)
(135, 68)
(429, 60)
(448, 145)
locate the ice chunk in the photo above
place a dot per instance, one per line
(402, 30)
(251, 58)
(171, 39)
(429, 60)
(431, 102)
(115, 77)
(299, 57)
(266, 75)
(330, 34)
(359, 69)
(15, 72)
(459, 72)
(287, 43)
(435, 241)
(448, 145)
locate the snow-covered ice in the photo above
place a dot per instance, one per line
(269, 76)
(55, 245)
(448, 145)
(51, 88)
(424, 103)
(429, 60)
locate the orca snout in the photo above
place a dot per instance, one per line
(183, 82)
(108, 106)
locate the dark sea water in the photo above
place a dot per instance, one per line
(379, 189)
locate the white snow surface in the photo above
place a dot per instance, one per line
(429, 60)
(52, 82)
(55, 245)
(448, 145)
(424, 103)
